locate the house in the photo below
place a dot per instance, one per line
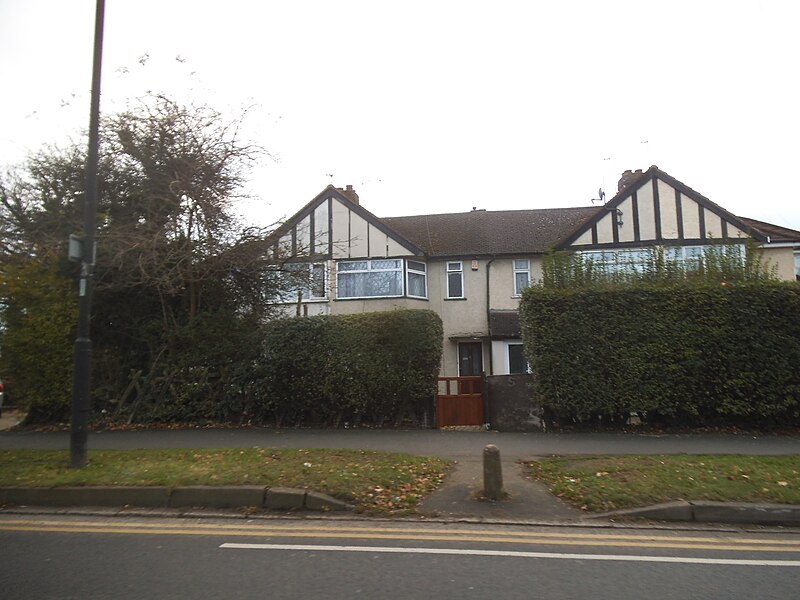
(471, 267)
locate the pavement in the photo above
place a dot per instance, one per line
(459, 498)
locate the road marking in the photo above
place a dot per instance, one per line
(517, 554)
(724, 544)
(301, 528)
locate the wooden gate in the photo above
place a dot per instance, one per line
(459, 401)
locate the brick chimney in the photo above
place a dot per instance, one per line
(350, 194)
(627, 177)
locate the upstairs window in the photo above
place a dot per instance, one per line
(417, 279)
(455, 280)
(522, 275)
(369, 278)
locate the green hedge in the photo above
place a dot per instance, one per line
(38, 312)
(368, 367)
(690, 354)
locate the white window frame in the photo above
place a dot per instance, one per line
(415, 271)
(290, 295)
(453, 267)
(519, 270)
(620, 260)
(369, 269)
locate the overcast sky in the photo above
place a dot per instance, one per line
(440, 106)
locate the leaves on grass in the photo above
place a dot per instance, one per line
(377, 482)
(611, 482)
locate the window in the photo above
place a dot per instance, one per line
(317, 284)
(631, 261)
(619, 261)
(516, 359)
(691, 257)
(522, 275)
(369, 278)
(417, 280)
(306, 279)
(639, 260)
(455, 280)
(598, 259)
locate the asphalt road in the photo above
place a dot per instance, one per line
(457, 445)
(61, 556)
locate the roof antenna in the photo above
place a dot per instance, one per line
(602, 197)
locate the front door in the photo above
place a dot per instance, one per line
(470, 359)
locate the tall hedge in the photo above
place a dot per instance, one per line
(367, 367)
(688, 353)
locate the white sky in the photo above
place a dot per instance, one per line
(439, 106)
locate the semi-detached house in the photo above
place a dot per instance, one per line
(471, 267)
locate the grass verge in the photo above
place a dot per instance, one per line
(376, 482)
(603, 483)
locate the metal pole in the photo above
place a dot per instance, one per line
(82, 372)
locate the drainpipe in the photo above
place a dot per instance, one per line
(488, 307)
(491, 366)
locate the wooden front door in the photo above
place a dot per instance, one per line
(470, 359)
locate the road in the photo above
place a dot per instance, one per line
(71, 556)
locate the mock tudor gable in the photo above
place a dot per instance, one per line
(653, 208)
(335, 226)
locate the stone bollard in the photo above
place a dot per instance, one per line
(492, 473)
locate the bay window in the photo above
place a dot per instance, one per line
(381, 278)
(370, 278)
(417, 280)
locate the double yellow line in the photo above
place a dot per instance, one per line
(423, 534)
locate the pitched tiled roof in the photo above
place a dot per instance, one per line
(482, 232)
(504, 324)
(775, 233)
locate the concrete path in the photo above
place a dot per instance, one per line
(528, 500)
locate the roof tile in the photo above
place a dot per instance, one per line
(482, 232)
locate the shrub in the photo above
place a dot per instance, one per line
(369, 366)
(39, 312)
(689, 353)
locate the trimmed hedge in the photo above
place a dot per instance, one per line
(689, 354)
(368, 367)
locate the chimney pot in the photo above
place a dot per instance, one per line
(350, 193)
(626, 178)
